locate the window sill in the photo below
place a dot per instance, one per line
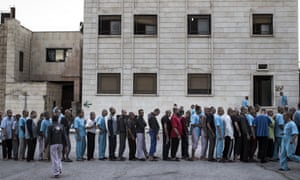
(198, 36)
(199, 95)
(145, 95)
(100, 94)
(145, 36)
(109, 36)
(262, 35)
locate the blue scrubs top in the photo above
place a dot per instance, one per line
(22, 122)
(290, 129)
(250, 119)
(7, 124)
(79, 124)
(278, 121)
(195, 121)
(245, 103)
(44, 126)
(101, 122)
(297, 118)
(219, 122)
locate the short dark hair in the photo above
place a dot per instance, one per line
(197, 108)
(299, 105)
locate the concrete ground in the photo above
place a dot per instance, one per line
(161, 170)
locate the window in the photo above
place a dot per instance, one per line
(21, 61)
(199, 83)
(145, 24)
(262, 24)
(145, 83)
(58, 55)
(110, 25)
(109, 83)
(199, 25)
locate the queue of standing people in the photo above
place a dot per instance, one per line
(238, 134)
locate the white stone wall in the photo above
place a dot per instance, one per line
(3, 40)
(31, 96)
(230, 54)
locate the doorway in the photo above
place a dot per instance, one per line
(67, 96)
(263, 94)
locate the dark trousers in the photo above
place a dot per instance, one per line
(245, 148)
(132, 148)
(184, 146)
(174, 146)
(90, 145)
(298, 145)
(237, 145)
(270, 150)
(227, 148)
(253, 147)
(112, 146)
(166, 148)
(122, 144)
(262, 147)
(15, 147)
(31, 144)
(7, 148)
(211, 146)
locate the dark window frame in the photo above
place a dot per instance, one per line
(51, 60)
(141, 75)
(256, 27)
(104, 27)
(198, 16)
(199, 91)
(110, 75)
(140, 29)
(21, 61)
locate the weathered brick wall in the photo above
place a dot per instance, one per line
(3, 49)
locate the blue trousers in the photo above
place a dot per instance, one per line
(287, 151)
(153, 141)
(101, 145)
(219, 148)
(277, 145)
(80, 147)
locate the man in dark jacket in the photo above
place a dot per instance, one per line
(121, 129)
(154, 129)
(57, 140)
(67, 121)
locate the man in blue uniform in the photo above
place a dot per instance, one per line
(220, 133)
(288, 143)
(79, 125)
(102, 135)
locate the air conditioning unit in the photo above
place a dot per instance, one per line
(262, 67)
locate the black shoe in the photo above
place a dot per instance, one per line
(68, 160)
(142, 159)
(102, 159)
(56, 176)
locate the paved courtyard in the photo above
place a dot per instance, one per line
(161, 170)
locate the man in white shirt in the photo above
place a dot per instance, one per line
(91, 131)
(228, 135)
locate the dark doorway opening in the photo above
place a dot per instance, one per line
(263, 90)
(67, 96)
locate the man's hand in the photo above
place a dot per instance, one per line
(179, 137)
(292, 142)
(248, 137)
(157, 137)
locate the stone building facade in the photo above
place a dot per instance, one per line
(154, 53)
(38, 69)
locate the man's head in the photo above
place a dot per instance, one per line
(25, 113)
(156, 112)
(42, 116)
(263, 111)
(9, 113)
(124, 112)
(212, 110)
(168, 113)
(112, 110)
(220, 111)
(104, 112)
(55, 119)
(251, 110)
(230, 111)
(33, 114)
(281, 93)
(206, 110)
(270, 113)
(287, 116)
(18, 116)
(68, 113)
(244, 110)
(175, 110)
(198, 109)
(131, 116)
(280, 110)
(299, 105)
(57, 112)
(192, 106)
(246, 97)
(47, 115)
(92, 115)
(80, 113)
(141, 112)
